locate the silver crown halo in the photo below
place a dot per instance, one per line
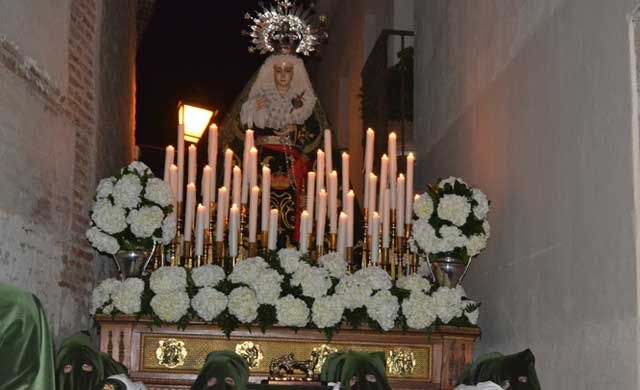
(286, 27)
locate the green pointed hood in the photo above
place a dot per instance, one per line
(356, 370)
(225, 370)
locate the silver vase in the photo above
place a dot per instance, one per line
(448, 271)
(132, 263)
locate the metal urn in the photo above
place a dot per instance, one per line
(132, 263)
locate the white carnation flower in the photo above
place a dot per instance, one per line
(353, 292)
(268, 286)
(170, 306)
(454, 208)
(247, 271)
(452, 181)
(209, 303)
(243, 304)
(424, 237)
(103, 293)
(207, 275)
(327, 311)
(168, 279)
(487, 229)
(289, 259)
(452, 238)
(423, 206)
(476, 244)
(292, 311)
(105, 187)
(107, 309)
(141, 168)
(383, 308)
(473, 316)
(145, 221)
(168, 229)
(102, 242)
(414, 283)
(334, 263)
(418, 310)
(424, 269)
(447, 303)
(126, 191)
(128, 299)
(315, 281)
(158, 191)
(109, 218)
(482, 208)
(375, 277)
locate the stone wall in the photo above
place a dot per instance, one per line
(66, 119)
(531, 101)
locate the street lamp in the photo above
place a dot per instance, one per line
(195, 121)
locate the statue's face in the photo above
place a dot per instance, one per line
(283, 74)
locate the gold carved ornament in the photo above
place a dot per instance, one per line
(171, 353)
(251, 353)
(319, 355)
(401, 362)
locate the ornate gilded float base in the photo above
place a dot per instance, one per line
(166, 358)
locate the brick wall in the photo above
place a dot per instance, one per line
(66, 120)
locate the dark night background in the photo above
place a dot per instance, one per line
(193, 51)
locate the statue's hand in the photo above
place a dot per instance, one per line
(261, 103)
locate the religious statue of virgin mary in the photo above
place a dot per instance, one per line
(280, 105)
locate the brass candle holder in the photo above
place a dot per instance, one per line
(188, 251)
(175, 249)
(319, 251)
(384, 258)
(219, 252)
(198, 260)
(365, 238)
(333, 242)
(242, 237)
(209, 255)
(264, 241)
(252, 250)
(158, 257)
(400, 255)
(349, 258)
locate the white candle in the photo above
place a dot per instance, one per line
(169, 158)
(373, 182)
(320, 171)
(226, 181)
(393, 168)
(368, 163)
(173, 182)
(322, 213)
(248, 144)
(189, 210)
(345, 178)
(193, 164)
(237, 183)
(400, 206)
(408, 211)
(253, 166)
(206, 190)
(333, 202)
(180, 160)
(213, 159)
(342, 234)
(266, 198)
(327, 150)
(311, 188)
(386, 219)
(375, 237)
(222, 194)
(273, 229)
(253, 213)
(234, 222)
(351, 196)
(200, 218)
(304, 231)
(384, 169)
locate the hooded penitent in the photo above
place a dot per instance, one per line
(356, 370)
(80, 366)
(223, 370)
(26, 352)
(513, 372)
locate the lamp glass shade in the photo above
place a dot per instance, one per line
(195, 121)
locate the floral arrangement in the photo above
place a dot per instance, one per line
(286, 288)
(132, 209)
(451, 221)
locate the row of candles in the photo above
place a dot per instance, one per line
(387, 206)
